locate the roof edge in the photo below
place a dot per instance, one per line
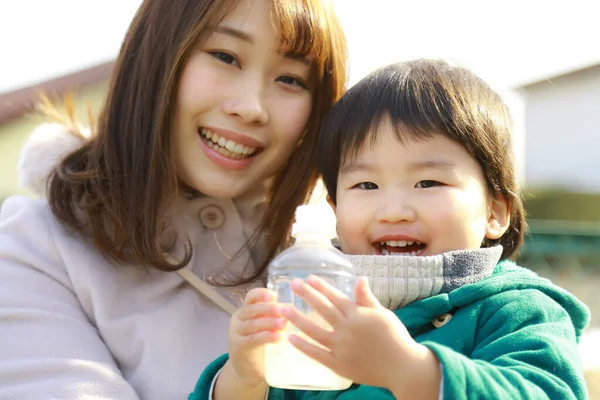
(18, 102)
(558, 75)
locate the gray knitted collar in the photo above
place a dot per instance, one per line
(399, 280)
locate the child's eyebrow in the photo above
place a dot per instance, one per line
(416, 166)
(356, 167)
(432, 164)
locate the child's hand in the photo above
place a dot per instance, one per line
(256, 323)
(369, 344)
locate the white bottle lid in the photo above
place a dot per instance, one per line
(316, 219)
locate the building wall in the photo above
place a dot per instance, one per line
(563, 132)
(14, 133)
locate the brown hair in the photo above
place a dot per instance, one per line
(425, 98)
(119, 186)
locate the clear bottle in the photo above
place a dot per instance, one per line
(311, 254)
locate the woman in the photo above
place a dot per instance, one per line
(202, 152)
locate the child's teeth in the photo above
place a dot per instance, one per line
(396, 243)
(387, 247)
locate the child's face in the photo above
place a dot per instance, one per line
(418, 198)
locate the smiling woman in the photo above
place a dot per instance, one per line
(217, 81)
(202, 151)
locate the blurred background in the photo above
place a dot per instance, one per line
(543, 57)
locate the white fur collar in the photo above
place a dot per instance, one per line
(43, 151)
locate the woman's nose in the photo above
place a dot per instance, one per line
(248, 102)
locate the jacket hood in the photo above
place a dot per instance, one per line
(45, 148)
(507, 276)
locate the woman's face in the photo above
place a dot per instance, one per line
(242, 105)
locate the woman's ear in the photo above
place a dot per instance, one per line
(499, 219)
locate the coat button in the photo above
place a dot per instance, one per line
(212, 217)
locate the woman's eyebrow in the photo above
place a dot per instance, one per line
(246, 37)
(226, 30)
(297, 57)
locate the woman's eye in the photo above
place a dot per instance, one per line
(427, 184)
(367, 186)
(225, 57)
(288, 80)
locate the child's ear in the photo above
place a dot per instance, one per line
(499, 219)
(330, 202)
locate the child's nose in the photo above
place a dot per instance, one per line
(397, 209)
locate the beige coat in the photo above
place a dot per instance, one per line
(73, 325)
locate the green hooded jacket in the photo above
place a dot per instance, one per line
(512, 335)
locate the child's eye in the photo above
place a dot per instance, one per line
(367, 186)
(225, 57)
(289, 80)
(427, 184)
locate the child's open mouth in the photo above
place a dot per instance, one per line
(400, 247)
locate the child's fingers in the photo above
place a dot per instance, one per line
(317, 353)
(335, 296)
(307, 326)
(258, 295)
(318, 301)
(363, 295)
(259, 338)
(251, 311)
(252, 326)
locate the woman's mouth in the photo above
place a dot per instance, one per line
(227, 147)
(400, 247)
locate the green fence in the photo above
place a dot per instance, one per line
(561, 244)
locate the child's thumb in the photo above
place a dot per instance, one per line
(363, 295)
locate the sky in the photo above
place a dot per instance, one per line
(507, 42)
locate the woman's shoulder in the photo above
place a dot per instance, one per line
(28, 224)
(25, 211)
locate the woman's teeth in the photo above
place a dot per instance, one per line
(226, 147)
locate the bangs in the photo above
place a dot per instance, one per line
(415, 109)
(305, 28)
